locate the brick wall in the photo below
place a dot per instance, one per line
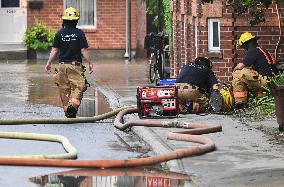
(186, 47)
(110, 31)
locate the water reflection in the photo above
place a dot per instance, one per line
(113, 177)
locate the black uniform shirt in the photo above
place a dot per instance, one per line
(70, 41)
(198, 75)
(255, 58)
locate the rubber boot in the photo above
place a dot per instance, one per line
(71, 112)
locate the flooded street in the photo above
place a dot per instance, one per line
(28, 92)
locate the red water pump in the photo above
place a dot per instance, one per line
(157, 101)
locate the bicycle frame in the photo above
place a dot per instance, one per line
(156, 65)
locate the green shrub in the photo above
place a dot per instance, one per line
(278, 80)
(38, 37)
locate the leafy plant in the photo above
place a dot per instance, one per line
(38, 37)
(165, 16)
(278, 79)
(254, 8)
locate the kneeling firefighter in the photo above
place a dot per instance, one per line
(195, 83)
(71, 44)
(253, 72)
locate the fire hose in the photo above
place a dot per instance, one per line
(191, 135)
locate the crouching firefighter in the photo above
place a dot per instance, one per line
(71, 44)
(195, 83)
(253, 72)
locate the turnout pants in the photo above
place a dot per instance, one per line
(189, 92)
(71, 83)
(246, 79)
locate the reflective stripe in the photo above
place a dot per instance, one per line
(240, 94)
(270, 60)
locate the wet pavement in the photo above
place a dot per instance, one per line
(244, 155)
(28, 92)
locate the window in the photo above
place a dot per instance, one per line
(87, 12)
(213, 34)
(10, 3)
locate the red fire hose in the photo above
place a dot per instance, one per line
(192, 135)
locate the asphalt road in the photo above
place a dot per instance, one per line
(28, 92)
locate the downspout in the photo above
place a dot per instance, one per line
(128, 31)
(280, 31)
(196, 36)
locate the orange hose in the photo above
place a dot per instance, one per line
(191, 135)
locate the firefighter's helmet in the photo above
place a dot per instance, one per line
(203, 60)
(244, 38)
(70, 14)
(221, 99)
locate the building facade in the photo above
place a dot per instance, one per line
(103, 21)
(213, 30)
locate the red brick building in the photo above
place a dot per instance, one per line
(213, 30)
(106, 30)
(103, 21)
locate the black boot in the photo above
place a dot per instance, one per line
(240, 106)
(71, 112)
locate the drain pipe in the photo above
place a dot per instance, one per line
(128, 31)
(280, 30)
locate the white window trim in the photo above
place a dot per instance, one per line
(210, 34)
(95, 17)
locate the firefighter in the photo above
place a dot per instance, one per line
(195, 83)
(71, 44)
(253, 72)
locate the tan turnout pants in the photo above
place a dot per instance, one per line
(246, 79)
(70, 80)
(192, 92)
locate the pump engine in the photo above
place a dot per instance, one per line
(157, 101)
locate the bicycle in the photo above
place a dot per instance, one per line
(156, 44)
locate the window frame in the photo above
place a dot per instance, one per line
(94, 26)
(211, 48)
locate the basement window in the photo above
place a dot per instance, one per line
(87, 12)
(213, 34)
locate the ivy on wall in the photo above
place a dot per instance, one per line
(255, 8)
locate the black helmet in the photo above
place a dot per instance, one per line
(203, 61)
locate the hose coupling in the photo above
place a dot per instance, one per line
(186, 125)
(167, 124)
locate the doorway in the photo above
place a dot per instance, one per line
(13, 21)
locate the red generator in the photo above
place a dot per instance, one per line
(157, 101)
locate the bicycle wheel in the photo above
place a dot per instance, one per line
(152, 69)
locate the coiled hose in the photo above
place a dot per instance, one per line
(192, 135)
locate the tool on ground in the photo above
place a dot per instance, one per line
(157, 101)
(222, 99)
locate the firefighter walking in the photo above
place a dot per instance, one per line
(253, 72)
(71, 44)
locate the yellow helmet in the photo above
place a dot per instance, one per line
(244, 38)
(70, 14)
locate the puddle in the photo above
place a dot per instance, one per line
(93, 104)
(128, 177)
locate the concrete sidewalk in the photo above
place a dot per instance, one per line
(244, 155)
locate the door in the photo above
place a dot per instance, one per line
(13, 21)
